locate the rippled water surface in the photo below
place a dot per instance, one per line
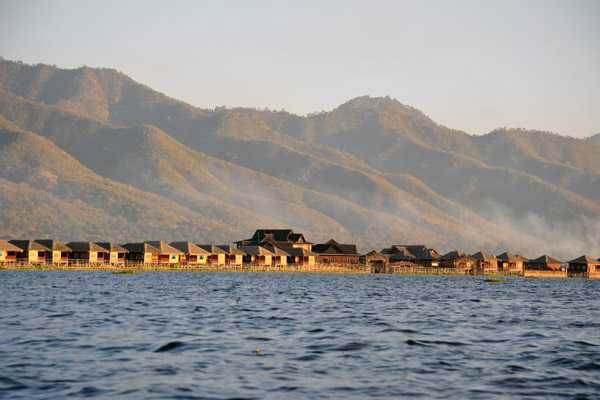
(164, 335)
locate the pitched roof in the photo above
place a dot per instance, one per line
(256, 251)
(482, 255)
(111, 247)
(298, 252)
(429, 254)
(53, 244)
(6, 246)
(583, 260)
(333, 247)
(25, 245)
(163, 247)
(231, 250)
(411, 248)
(212, 249)
(506, 256)
(403, 255)
(189, 248)
(276, 237)
(545, 259)
(453, 255)
(86, 247)
(277, 251)
(142, 247)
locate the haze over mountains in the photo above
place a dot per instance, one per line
(90, 154)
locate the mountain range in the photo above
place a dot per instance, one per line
(90, 154)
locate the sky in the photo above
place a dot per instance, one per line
(469, 65)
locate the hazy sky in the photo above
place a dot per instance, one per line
(469, 65)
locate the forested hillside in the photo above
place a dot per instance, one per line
(373, 171)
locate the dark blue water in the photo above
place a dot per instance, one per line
(194, 335)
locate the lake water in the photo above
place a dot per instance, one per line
(194, 335)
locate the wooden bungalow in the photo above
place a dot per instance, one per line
(257, 255)
(280, 256)
(217, 256)
(31, 251)
(584, 266)
(192, 254)
(300, 255)
(457, 259)
(428, 258)
(8, 252)
(58, 254)
(485, 261)
(401, 256)
(87, 252)
(507, 261)
(333, 252)
(166, 254)
(233, 255)
(141, 253)
(544, 263)
(115, 254)
(280, 238)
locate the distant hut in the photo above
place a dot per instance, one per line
(280, 256)
(115, 254)
(217, 256)
(457, 259)
(87, 252)
(233, 255)
(485, 261)
(376, 262)
(401, 257)
(300, 255)
(257, 255)
(544, 263)
(166, 254)
(402, 248)
(8, 252)
(141, 253)
(31, 251)
(333, 252)
(192, 254)
(583, 266)
(428, 258)
(507, 261)
(58, 254)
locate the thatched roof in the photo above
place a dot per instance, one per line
(545, 259)
(163, 247)
(53, 245)
(212, 249)
(506, 256)
(113, 248)
(410, 248)
(276, 237)
(482, 255)
(6, 246)
(299, 252)
(583, 260)
(26, 245)
(256, 251)
(231, 250)
(86, 247)
(429, 254)
(189, 248)
(140, 248)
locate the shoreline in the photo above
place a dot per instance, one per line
(277, 269)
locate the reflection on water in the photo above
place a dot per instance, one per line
(258, 335)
